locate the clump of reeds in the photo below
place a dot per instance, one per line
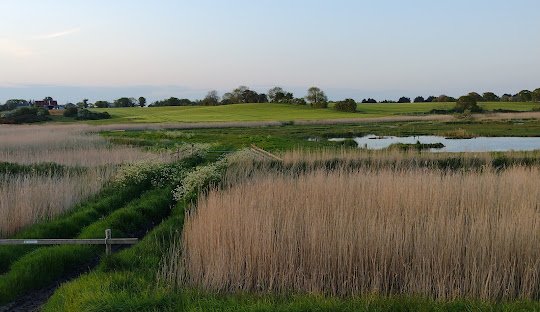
(446, 235)
(30, 198)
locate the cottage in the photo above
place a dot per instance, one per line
(47, 103)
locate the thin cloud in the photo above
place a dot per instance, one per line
(13, 48)
(59, 34)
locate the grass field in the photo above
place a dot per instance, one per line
(278, 112)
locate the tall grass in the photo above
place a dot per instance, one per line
(400, 158)
(445, 235)
(30, 198)
(72, 145)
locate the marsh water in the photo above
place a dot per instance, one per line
(479, 144)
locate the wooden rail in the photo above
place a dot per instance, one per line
(108, 241)
(263, 153)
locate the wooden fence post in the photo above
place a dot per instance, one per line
(107, 244)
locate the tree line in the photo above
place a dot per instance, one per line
(315, 97)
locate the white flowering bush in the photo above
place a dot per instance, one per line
(195, 150)
(197, 179)
(171, 174)
(135, 173)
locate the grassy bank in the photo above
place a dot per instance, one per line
(43, 266)
(71, 223)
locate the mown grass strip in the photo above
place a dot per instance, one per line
(124, 281)
(43, 266)
(70, 224)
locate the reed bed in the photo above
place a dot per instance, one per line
(30, 198)
(346, 155)
(442, 234)
(302, 161)
(73, 145)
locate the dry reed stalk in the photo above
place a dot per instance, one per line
(27, 199)
(417, 232)
(65, 144)
(395, 158)
(382, 156)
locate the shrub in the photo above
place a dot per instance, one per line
(348, 105)
(25, 115)
(85, 114)
(196, 179)
(404, 100)
(467, 103)
(70, 111)
(320, 105)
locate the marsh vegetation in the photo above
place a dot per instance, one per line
(49, 169)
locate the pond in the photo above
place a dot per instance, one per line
(479, 144)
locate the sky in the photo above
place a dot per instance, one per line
(103, 49)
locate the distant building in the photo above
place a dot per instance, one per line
(47, 103)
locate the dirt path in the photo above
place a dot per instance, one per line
(35, 299)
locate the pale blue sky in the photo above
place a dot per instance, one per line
(100, 49)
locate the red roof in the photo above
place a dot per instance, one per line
(46, 103)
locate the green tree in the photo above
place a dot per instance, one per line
(172, 101)
(298, 101)
(419, 99)
(102, 104)
(476, 96)
(238, 94)
(348, 105)
(249, 96)
(211, 98)
(317, 98)
(276, 94)
(506, 97)
(262, 98)
(525, 95)
(490, 97)
(124, 102)
(536, 95)
(14, 103)
(431, 98)
(142, 101)
(83, 103)
(228, 98)
(404, 99)
(444, 98)
(467, 103)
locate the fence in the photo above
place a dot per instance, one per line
(108, 241)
